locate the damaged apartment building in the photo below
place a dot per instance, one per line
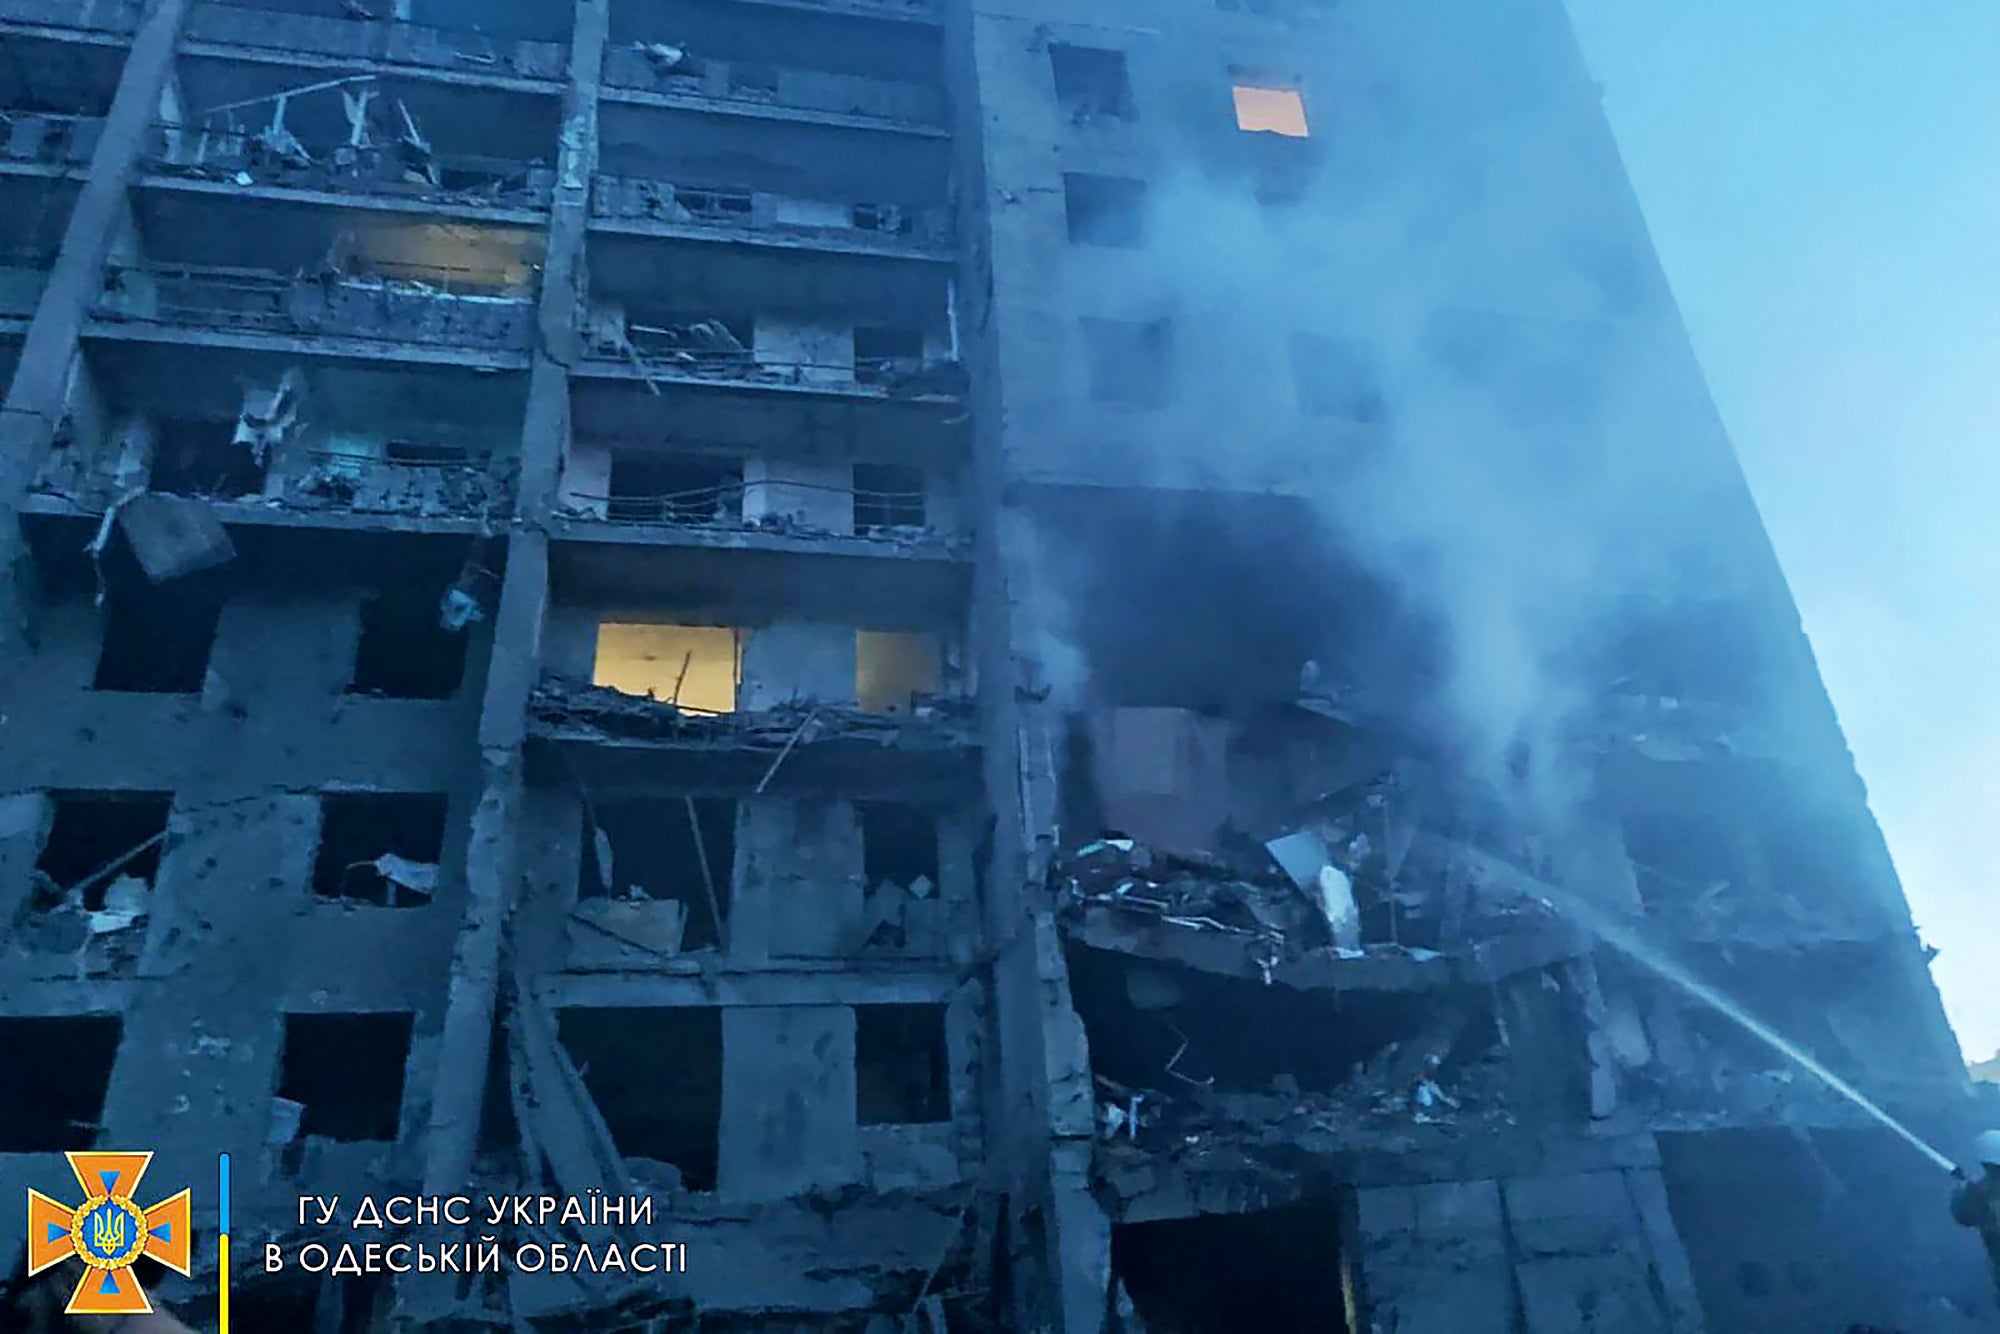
(530, 534)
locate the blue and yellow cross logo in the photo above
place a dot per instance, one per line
(109, 1233)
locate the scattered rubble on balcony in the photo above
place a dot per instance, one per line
(708, 348)
(384, 151)
(1238, 917)
(1668, 729)
(568, 709)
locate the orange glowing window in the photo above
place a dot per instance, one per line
(1271, 111)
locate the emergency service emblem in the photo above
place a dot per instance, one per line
(109, 1233)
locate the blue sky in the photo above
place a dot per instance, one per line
(1822, 179)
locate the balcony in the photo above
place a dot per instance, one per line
(367, 310)
(713, 351)
(643, 496)
(802, 745)
(287, 443)
(659, 73)
(376, 41)
(646, 206)
(238, 159)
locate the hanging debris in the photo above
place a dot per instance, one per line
(270, 414)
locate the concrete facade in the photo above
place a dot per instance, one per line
(769, 605)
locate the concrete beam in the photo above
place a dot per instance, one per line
(760, 988)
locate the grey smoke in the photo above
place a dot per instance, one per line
(1465, 240)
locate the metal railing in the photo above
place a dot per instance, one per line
(247, 157)
(647, 198)
(723, 505)
(373, 308)
(656, 67)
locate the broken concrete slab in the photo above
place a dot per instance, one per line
(172, 536)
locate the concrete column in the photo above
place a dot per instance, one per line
(492, 858)
(564, 275)
(34, 400)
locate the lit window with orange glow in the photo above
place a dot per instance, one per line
(1271, 111)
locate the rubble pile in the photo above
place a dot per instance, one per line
(1231, 915)
(1262, 910)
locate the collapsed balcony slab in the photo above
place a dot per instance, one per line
(619, 739)
(1205, 914)
(1372, 968)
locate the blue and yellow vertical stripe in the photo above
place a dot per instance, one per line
(222, 1253)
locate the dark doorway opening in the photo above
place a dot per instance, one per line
(91, 831)
(346, 1070)
(200, 457)
(157, 637)
(656, 1077)
(654, 853)
(69, 1060)
(901, 1076)
(1273, 1272)
(404, 650)
(380, 847)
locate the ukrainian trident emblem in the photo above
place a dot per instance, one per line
(109, 1233)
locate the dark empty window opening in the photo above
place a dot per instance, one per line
(882, 355)
(1815, 858)
(426, 453)
(1710, 651)
(70, 1059)
(1683, 862)
(1104, 210)
(93, 830)
(404, 650)
(1200, 1275)
(899, 842)
(346, 1070)
(1334, 379)
(1130, 361)
(887, 495)
(656, 1077)
(379, 847)
(200, 457)
(675, 488)
(157, 637)
(655, 856)
(1091, 83)
(900, 1071)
